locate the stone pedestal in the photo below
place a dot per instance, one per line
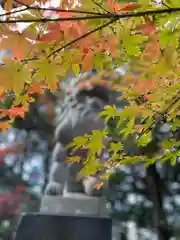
(63, 227)
(70, 217)
(74, 204)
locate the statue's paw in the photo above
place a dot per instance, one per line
(54, 189)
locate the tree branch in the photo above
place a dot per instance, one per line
(81, 37)
(49, 9)
(97, 16)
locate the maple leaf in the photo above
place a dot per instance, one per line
(145, 85)
(123, 7)
(36, 88)
(8, 5)
(148, 28)
(87, 62)
(46, 71)
(69, 28)
(73, 159)
(23, 100)
(152, 49)
(110, 45)
(99, 185)
(3, 113)
(30, 33)
(52, 36)
(13, 75)
(16, 111)
(5, 125)
(20, 47)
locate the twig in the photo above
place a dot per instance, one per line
(49, 9)
(101, 7)
(163, 3)
(145, 131)
(102, 16)
(83, 36)
(56, 9)
(44, 20)
(12, 12)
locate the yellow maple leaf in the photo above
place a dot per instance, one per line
(1, 90)
(8, 5)
(23, 100)
(73, 159)
(13, 75)
(46, 72)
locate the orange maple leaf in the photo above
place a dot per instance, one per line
(87, 63)
(99, 185)
(3, 113)
(109, 45)
(55, 33)
(148, 28)
(51, 36)
(123, 7)
(20, 47)
(37, 88)
(145, 85)
(4, 126)
(152, 49)
(16, 111)
(69, 28)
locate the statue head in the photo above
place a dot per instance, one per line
(79, 112)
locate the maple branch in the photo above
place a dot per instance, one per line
(82, 36)
(28, 7)
(97, 16)
(49, 9)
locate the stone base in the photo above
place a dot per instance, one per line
(74, 204)
(63, 227)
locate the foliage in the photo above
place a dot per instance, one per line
(79, 36)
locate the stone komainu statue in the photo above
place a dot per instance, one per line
(78, 115)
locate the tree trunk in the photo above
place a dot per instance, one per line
(156, 189)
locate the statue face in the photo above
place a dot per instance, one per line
(79, 115)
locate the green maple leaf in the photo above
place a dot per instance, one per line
(144, 139)
(109, 112)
